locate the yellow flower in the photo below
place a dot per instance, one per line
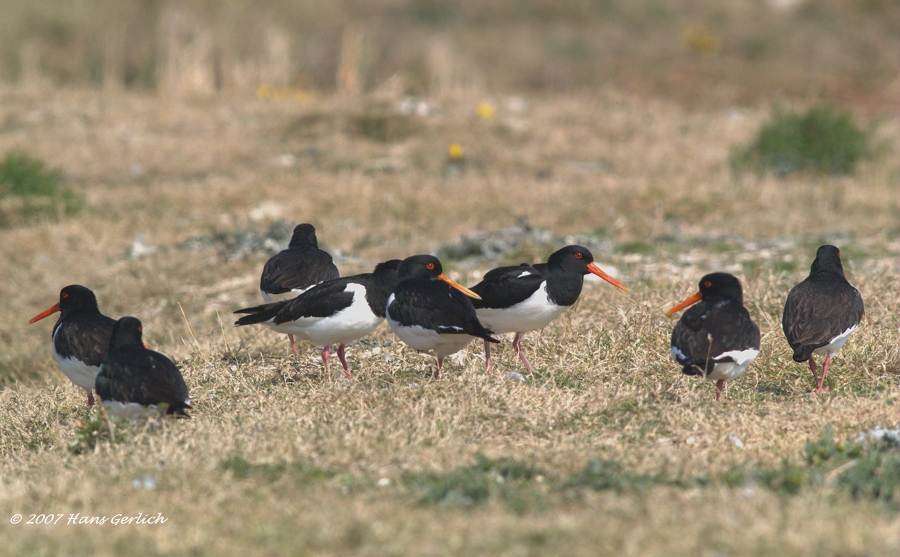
(700, 39)
(486, 110)
(263, 91)
(455, 151)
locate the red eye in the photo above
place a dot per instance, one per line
(140, 329)
(64, 295)
(430, 266)
(578, 255)
(707, 284)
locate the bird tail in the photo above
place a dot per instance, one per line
(258, 314)
(696, 366)
(803, 352)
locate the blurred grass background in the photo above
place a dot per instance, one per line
(699, 53)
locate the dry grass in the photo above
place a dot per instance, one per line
(662, 199)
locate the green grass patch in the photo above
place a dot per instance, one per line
(601, 475)
(242, 468)
(472, 485)
(822, 139)
(96, 428)
(30, 190)
(384, 128)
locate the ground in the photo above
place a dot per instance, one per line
(280, 460)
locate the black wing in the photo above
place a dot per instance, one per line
(437, 306)
(297, 268)
(507, 286)
(708, 330)
(816, 311)
(135, 374)
(323, 300)
(87, 341)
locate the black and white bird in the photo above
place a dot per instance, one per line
(336, 311)
(716, 338)
(528, 297)
(821, 312)
(134, 381)
(80, 337)
(298, 268)
(432, 313)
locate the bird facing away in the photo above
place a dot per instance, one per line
(133, 380)
(80, 337)
(336, 311)
(296, 269)
(430, 312)
(821, 312)
(716, 338)
(528, 297)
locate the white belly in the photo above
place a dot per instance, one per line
(129, 410)
(77, 371)
(832, 347)
(725, 370)
(424, 340)
(731, 370)
(530, 314)
(351, 323)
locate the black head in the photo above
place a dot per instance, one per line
(304, 235)
(387, 268)
(714, 285)
(574, 259)
(420, 266)
(721, 285)
(72, 298)
(828, 260)
(75, 297)
(386, 273)
(126, 332)
(579, 260)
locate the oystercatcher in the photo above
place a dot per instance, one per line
(80, 337)
(821, 312)
(296, 269)
(133, 381)
(336, 311)
(716, 338)
(528, 297)
(431, 312)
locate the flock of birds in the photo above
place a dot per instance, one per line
(307, 299)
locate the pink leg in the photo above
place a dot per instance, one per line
(90, 398)
(812, 368)
(518, 346)
(719, 385)
(293, 346)
(437, 372)
(325, 357)
(344, 361)
(819, 388)
(487, 356)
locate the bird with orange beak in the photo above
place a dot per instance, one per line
(431, 312)
(80, 337)
(715, 338)
(527, 297)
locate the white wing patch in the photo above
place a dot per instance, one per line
(525, 274)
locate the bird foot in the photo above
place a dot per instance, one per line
(821, 390)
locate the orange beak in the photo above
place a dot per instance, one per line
(689, 302)
(49, 311)
(597, 271)
(458, 286)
